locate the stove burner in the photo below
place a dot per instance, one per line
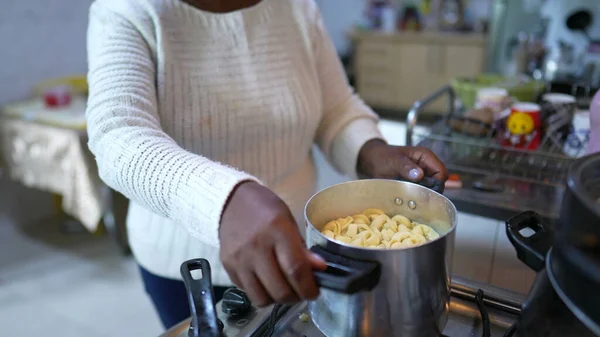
(279, 310)
(485, 317)
(511, 331)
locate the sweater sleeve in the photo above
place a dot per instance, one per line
(347, 123)
(134, 155)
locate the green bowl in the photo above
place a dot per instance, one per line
(521, 88)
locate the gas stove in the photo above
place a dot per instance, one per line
(500, 308)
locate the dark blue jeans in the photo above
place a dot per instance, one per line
(169, 297)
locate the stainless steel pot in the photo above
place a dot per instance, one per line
(376, 292)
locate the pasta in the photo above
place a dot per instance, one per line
(372, 228)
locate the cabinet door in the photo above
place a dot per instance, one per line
(397, 74)
(451, 61)
(412, 63)
(375, 73)
(437, 77)
(463, 60)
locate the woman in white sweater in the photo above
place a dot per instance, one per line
(203, 113)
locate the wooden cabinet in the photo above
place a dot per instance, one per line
(395, 70)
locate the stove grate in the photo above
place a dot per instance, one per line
(279, 310)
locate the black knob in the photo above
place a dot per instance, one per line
(235, 302)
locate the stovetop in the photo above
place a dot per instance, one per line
(464, 320)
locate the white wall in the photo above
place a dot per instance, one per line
(40, 39)
(339, 17)
(559, 10)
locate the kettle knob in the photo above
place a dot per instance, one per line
(235, 302)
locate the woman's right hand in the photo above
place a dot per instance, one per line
(262, 249)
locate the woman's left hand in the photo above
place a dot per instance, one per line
(377, 159)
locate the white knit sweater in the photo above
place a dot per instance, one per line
(186, 104)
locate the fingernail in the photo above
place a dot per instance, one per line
(318, 258)
(413, 174)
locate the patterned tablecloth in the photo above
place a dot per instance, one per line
(46, 149)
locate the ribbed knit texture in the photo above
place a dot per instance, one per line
(185, 104)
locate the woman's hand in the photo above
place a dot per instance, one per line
(377, 159)
(262, 249)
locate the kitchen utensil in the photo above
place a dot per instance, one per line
(581, 21)
(489, 184)
(557, 113)
(375, 13)
(579, 224)
(410, 19)
(577, 141)
(494, 98)
(561, 65)
(522, 88)
(201, 299)
(564, 300)
(517, 54)
(594, 144)
(57, 97)
(411, 296)
(544, 313)
(451, 15)
(469, 126)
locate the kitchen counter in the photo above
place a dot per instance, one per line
(515, 197)
(422, 37)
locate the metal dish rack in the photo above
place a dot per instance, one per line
(483, 158)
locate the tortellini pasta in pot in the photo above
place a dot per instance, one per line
(372, 228)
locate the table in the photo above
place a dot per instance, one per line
(47, 149)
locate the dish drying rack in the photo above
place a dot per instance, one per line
(484, 156)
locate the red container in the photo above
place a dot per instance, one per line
(57, 97)
(524, 126)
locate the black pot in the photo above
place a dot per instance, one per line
(577, 262)
(579, 222)
(564, 300)
(544, 313)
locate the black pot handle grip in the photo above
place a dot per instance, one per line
(432, 184)
(201, 298)
(429, 182)
(531, 250)
(345, 275)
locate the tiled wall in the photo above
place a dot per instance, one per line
(40, 39)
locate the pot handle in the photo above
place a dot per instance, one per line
(345, 275)
(201, 299)
(531, 250)
(432, 184)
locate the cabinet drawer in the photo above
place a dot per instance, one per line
(376, 93)
(464, 60)
(376, 55)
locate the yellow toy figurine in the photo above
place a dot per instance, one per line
(520, 124)
(523, 126)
